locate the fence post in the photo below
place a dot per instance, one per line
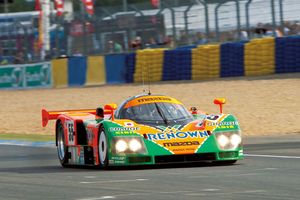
(273, 17)
(186, 23)
(247, 18)
(142, 15)
(217, 20)
(173, 21)
(206, 18)
(281, 13)
(125, 6)
(82, 7)
(238, 18)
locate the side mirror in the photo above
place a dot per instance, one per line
(100, 112)
(111, 107)
(220, 102)
(194, 110)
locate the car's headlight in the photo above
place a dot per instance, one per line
(228, 140)
(235, 140)
(223, 140)
(128, 145)
(135, 145)
(121, 146)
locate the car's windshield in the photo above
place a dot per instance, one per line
(157, 113)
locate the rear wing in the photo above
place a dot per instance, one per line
(52, 115)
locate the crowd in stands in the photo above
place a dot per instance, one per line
(162, 41)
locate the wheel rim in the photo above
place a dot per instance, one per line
(60, 144)
(102, 147)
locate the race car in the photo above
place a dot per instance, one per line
(145, 130)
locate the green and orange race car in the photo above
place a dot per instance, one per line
(145, 130)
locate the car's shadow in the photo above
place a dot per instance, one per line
(71, 169)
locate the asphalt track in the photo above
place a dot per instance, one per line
(271, 170)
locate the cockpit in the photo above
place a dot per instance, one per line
(154, 110)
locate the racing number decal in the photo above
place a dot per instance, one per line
(70, 130)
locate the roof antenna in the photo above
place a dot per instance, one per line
(143, 79)
(149, 92)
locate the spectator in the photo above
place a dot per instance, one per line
(169, 40)
(200, 38)
(286, 28)
(114, 47)
(152, 43)
(183, 38)
(77, 53)
(244, 35)
(137, 43)
(19, 58)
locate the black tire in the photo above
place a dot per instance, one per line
(62, 149)
(102, 149)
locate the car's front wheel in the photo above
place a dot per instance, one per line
(103, 149)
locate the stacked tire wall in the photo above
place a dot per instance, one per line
(250, 58)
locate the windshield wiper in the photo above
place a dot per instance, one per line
(161, 114)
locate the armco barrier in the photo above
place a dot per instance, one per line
(77, 70)
(60, 72)
(37, 75)
(115, 65)
(96, 73)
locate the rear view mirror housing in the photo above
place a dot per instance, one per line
(111, 107)
(220, 102)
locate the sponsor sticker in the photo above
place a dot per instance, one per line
(151, 99)
(177, 135)
(115, 129)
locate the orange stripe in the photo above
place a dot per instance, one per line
(151, 99)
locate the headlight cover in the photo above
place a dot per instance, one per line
(228, 140)
(128, 145)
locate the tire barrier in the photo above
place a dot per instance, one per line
(259, 57)
(206, 62)
(149, 65)
(232, 59)
(288, 54)
(130, 66)
(177, 64)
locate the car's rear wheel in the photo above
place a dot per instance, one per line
(61, 145)
(103, 149)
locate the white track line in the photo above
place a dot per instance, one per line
(114, 181)
(272, 156)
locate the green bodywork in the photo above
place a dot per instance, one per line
(209, 146)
